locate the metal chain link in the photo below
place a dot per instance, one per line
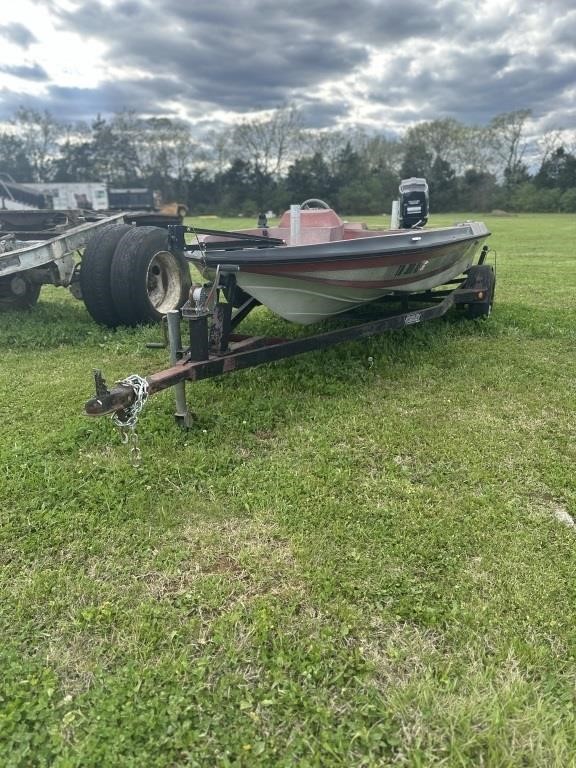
(127, 419)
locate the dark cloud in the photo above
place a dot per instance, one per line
(564, 30)
(17, 34)
(316, 113)
(475, 85)
(450, 58)
(564, 116)
(250, 56)
(27, 72)
(86, 103)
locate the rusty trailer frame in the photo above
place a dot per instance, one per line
(214, 348)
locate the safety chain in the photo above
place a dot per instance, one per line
(126, 422)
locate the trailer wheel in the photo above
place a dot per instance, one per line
(95, 274)
(18, 292)
(147, 279)
(483, 275)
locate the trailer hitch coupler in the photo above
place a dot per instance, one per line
(108, 401)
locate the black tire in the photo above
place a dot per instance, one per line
(483, 274)
(18, 292)
(95, 274)
(147, 279)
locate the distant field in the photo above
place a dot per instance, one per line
(359, 557)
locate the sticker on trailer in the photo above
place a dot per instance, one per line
(413, 318)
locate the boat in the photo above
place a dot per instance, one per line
(313, 265)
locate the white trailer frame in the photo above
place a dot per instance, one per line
(56, 253)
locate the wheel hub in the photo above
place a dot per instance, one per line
(163, 281)
(18, 286)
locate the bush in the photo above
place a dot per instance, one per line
(527, 197)
(524, 198)
(568, 201)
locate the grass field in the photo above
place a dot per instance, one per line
(359, 557)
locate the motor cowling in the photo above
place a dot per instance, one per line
(414, 203)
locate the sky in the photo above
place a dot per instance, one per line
(378, 64)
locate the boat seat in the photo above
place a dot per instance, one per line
(317, 225)
(310, 235)
(313, 217)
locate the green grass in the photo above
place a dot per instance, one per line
(347, 562)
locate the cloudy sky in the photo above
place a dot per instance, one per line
(382, 64)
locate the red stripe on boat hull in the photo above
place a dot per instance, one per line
(341, 265)
(402, 280)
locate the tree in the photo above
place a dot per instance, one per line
(379, 152)
(268, 143)
(476, 191)
(309, 177)
(328, 144)
(39, 133)
(417, 161)
(75, 163)
(202, 194)
(559, 170)
(568, 201)
(515, 176)
(549, 143)
(507, 140)
(446, 139)
(443, 185)
(166, 150)
(114, 154)
(350, 166)
(237, 185)
(13, 158)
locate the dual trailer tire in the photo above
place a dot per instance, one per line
(129, 277)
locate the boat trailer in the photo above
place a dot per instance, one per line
(214, 348)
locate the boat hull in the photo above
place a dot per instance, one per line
(308, 283)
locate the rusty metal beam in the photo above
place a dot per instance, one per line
(252, 351)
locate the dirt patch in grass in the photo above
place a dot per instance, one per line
(251, 557)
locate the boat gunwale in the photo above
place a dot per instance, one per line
(325, 252)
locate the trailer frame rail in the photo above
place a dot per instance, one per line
(214, 349)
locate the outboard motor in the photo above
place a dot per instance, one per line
(413, 203)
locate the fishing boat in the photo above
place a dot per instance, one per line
(313, 265)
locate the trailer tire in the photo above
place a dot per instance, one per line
(95, 274)
(482, 273)
(18, 292)
(147, 279)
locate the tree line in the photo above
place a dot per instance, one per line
(268, 163)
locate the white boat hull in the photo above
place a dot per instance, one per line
(323, 276)
(307, 298)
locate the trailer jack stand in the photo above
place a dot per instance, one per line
(184, 418)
